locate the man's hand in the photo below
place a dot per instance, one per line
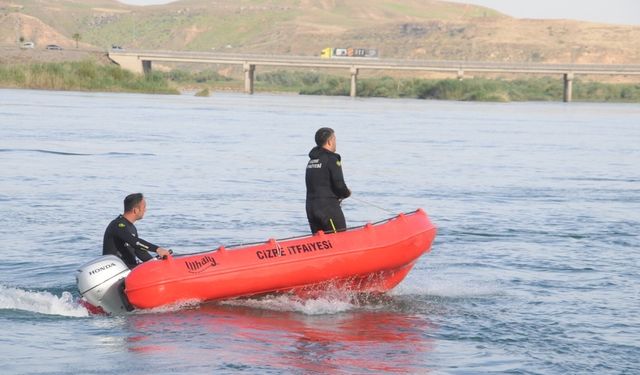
(348, 195)
(162, 252)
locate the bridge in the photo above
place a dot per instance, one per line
(140, 61)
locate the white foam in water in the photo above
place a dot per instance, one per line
(40, 302)
(172, 307)
(316, 306)
(446, 288)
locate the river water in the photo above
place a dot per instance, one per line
(534, 269)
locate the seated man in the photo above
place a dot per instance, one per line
(121, 236)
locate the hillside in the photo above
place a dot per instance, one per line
(414, 29)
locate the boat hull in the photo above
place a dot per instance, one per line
(372, 258)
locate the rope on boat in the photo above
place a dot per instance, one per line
(373, 205)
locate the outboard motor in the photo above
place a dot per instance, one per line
(101, 283)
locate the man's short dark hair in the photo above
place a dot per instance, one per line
(323, 135)
(132, 200)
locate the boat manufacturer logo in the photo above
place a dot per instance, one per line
(106, 266)
(197, 266)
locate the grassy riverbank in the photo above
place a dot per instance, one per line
(82, 76)
(475, 89)
(92, 76)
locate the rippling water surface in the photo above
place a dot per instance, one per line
(534, 270)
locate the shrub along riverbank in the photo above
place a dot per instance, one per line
(82, 76)
(91, 76)
(475, 89)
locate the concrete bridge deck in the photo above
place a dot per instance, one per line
(140, 61)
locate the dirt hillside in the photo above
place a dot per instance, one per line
(411, 29)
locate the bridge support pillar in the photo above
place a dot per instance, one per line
(128, 62)
(568, 87)
(146, 66)
(460, 74)
(354, 82)
(249, 75)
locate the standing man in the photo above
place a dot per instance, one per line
(121, 236)
(325, 185)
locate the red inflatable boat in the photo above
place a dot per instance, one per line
(370, 258)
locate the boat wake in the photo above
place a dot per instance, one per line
(40, 302)
(445, 288)
(291, 303)
(172, 307)
(336, 301)
(330, 302)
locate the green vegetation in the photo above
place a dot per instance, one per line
(183, 77)
(92, 76)
(204, 92)
(309, 83)
(77, 38)
(602, 92)
(82, 76)
(196, 30)
(476, 89)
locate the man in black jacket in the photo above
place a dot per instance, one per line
(325, 185)
(121, 236)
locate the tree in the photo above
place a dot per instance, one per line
(76, 37)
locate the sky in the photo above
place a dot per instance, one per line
(626, 12)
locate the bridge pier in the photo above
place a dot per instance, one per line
(146, 66)
(249, 75)
(460, 74)
(354, 82)
(568, 87)
(128, 62)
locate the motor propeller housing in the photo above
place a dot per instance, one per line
(101, 283)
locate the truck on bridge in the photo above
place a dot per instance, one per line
(329, 52)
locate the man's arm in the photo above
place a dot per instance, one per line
(137, 243)
(142, 255)
(140, 246)
(337, 180)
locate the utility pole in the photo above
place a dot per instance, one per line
(18, 28)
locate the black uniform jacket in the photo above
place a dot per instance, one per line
(121, 239)
(324, 175)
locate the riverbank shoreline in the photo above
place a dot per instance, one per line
(92, 70)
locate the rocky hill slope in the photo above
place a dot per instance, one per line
(411, 29)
